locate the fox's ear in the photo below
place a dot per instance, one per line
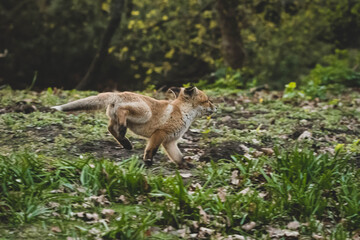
(174, 91)
(190, 91)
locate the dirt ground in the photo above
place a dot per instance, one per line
(238, 114)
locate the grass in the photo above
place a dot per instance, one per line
(58, 183)
(293, 185)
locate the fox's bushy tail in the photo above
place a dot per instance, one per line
(100, 101)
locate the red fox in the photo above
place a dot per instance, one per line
(163, 122)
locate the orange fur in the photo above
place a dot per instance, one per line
(162, 122)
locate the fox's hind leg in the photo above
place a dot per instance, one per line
(117, 127)
(121, 115)
(119, 132)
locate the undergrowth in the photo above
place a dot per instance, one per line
(297, 185)
(54, 182)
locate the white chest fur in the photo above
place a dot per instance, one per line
(188, 116)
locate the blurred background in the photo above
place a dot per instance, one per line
(151, 44)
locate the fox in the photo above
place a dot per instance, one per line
(161, 122)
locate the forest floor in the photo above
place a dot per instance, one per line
(264, 168)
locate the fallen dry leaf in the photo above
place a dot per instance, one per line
(79, 214)
(55, 214)
(289, 233)
(107, 212)
(60, 190)
(234, 178)
(257, 154)
(245, 191)
(140, 199)
(267, 151)
(222, 194)
(248, 156)
(55, 229)
(225, 119)
(304, 135)
(235, 237)
(123, 199)
(168, 229)
(94, 231)
(93, 216)
(195, 186)
(263, 194)
(317, 236)
(204, 216)
(102, 200)
(277, 232)
(193, 235)
(81, 189)
(249, 226)
(207, 231)
(244, 148)
(356, 236)
(195, 224)
(181, 232)
(152, 230)
(54, 204)
(304, 122)
(185, 175)
(293, 225)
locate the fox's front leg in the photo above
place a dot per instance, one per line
(152, 146)
(117, 127)
(175, 154)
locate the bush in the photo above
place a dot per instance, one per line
(337, 72)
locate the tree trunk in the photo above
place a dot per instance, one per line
(115, 17)
(231, 41)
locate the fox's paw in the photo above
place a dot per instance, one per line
(148, 162)
(186, 165)
(126, 143)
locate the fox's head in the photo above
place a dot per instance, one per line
(197, 98)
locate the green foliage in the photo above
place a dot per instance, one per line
(337, 72)
(131, 224)
(291, 92)
(275, 38)
(57, 45)
(56, 187)
(23, 188)
(339, 233)
(178, 203)
(305, 185)
(98, 175)
(228, 78)
(349, 199)
(170, 43)
(26, 182)
(215, 176)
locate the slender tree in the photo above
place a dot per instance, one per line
(117, 6)
(231, 41)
